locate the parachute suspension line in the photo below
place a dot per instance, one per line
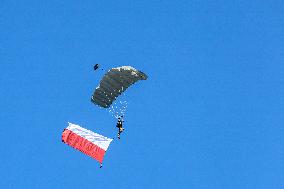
(118, 109)
(123, 108)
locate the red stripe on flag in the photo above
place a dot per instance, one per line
(82, 144)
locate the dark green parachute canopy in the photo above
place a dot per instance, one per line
(114, 83)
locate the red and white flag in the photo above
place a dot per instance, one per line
(88, 142)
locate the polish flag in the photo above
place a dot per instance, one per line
(88, 142)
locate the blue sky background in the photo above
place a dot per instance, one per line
(209, 116)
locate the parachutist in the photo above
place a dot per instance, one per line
(119, 126)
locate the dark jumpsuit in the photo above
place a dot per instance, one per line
(120, 128)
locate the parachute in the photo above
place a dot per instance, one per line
(114, 83)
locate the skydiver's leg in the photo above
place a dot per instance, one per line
(118, 134)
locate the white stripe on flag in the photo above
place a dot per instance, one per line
(99, 140)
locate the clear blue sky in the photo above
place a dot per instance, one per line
(210, 115)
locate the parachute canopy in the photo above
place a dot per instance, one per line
(114, 83)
